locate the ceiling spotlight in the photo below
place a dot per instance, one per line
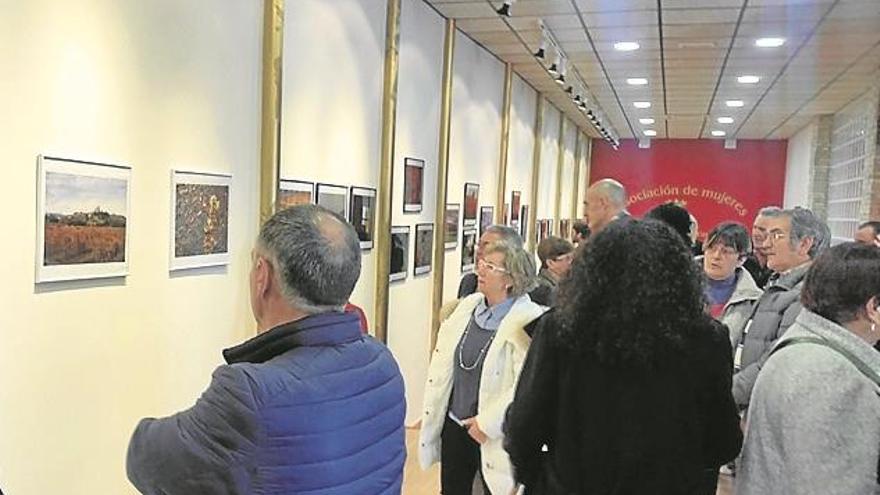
(748, 79)
(769, 42)
(648, 121)
(719, 133)
(637, 81)
(505, 8)
(642, 104)
(582, 105)
(650, 132)
(734, 103)
(569, 89)
(541, 52)
(725, 120)
(626, 46)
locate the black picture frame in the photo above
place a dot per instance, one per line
(423, 258)
(399, 266)
(362, 214)
(468, 250)
(413, 184)
(451, 221)
(471, 204)
(325, 192)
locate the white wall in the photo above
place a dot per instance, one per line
(417, 136)
(475, 136)
(567, 186)
(332, 101)
(523, 106)
(798, 166)
(154, 85)
(549, 163)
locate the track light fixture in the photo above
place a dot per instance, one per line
(569, 89)
(504, 10)
(541, 52)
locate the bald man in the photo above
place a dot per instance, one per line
(605, 202)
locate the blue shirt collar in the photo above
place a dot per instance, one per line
(490, 318)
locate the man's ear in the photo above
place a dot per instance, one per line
(872, 310)
(805, 245)
(264, 274)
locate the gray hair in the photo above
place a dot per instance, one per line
(316, 256)
(613, 190)
(770, 212)
(519, 264)
(507, 234)
(804, 223)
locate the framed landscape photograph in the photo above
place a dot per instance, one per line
(294, 192)
(424, 248)
(413, 181)
(471, 202)
(514, 206)
(399, 253)
(82, 219)
(486, 214)
(334, 198)
(363, 214)
(468, 250)
(199, 219)
(450, 226)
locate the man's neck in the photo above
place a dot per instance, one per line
(280, 316)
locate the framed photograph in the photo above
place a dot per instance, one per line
(565, 228)
(468, 250)
(82, 219)
(486, 214)
(506, 213)
(362, 214)
(294, 192)
(199, 219)
(524, 222)
(450, 226)
(399, 253)
(514, 206)
(471, 201)
(413, 181)
(424, 248)
(543, 229)
(333, 197)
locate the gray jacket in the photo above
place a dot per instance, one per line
(774, 312)
(739, 307)
(814, 420)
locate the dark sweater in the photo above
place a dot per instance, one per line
(622, 431)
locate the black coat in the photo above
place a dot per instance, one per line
(622, 431)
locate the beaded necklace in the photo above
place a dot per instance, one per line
(479, 356)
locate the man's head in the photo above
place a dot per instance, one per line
(759, 232)
(674, 215)
(307, 260)
(793, 238)
(581, 231)
(494, 233)
(605, 199)
(556, 254)
(868, 233)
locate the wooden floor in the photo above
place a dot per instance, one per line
(418, 482)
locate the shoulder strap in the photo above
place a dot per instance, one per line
(852, 358)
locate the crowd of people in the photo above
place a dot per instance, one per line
(630, 360)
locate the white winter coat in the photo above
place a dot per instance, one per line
(503, 363)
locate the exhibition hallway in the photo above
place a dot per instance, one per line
(427, 482)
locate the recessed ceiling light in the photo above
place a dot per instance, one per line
(719, 133)
(734, 103)
(725, 120)
(637, 81)
(650, 133)
(748, 79)
(626, 46)
(646, 121)
(769, 42)
(642, 104)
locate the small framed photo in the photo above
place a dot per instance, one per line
(565, 228)
(199, 219)
(333, 197)
(362, 214)
(413, 182)
(82, 219)
(524, 222)
(471, 202)
(424, 248)
(468, 250)
(450, 225)
(486, 214)
(399, 253)
(294, 192)
(514, 206)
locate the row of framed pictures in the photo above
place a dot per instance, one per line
(355, 204)
(84, 211)
(423, 252)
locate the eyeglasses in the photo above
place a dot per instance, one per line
(775, 235)
(564, 257)
(492, 267)
(721, 249)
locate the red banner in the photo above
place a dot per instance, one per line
(713, 183)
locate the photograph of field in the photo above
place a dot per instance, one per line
(293, 193)
(201, 221)
(84, 219)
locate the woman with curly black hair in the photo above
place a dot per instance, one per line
(627, 384)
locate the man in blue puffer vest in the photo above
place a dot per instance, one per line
(309, 405)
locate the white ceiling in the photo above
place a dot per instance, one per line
(691, 53)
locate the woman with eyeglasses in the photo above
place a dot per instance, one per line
(473, 373)
(626, 388)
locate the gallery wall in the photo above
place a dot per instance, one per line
(798, 166)
(153, 85)
(520, 160)
(549, 164)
